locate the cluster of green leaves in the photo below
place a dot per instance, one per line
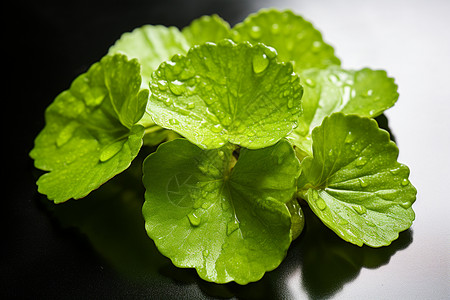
(251, 122)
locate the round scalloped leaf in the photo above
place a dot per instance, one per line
(151, 45)
(206, 29)
(354, 183)
(294, 38)
(228, 92)
(227, 220)
(90, 135)
(365, 92)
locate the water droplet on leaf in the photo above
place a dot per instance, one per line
(316, 46)
(405, 182)
(176, 87)
(309, 82)
(110, 151)
(321, 204)
(360, 209)
(349, 138)
(217, 128)
(66, 134)
(362, 183)
(361, 161)
(173, 122)
(205, 253)
(275, 28)
(260, 63)
(367, 93)
(255, 32)
(270, 52)
(167, 101)
(194, 219)
(162, 85)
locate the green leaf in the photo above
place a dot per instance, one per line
(90, 135)
(294, 38)
(227, 220)
(206, 29)
(364, 92)
(354, 183)
(227, 92)
(151, 45)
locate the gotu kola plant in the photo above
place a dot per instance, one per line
(250, 121)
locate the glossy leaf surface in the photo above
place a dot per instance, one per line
(228, 92)
(90, 133)
(295, 39)
(228, 220)
(354, 183)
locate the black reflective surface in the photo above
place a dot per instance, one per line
(97, 247)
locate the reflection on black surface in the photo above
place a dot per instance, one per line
(328, 262)
(110, 218)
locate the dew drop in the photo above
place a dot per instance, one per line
(406, 204)
(349, 138)
(309, 82)
(395, 171)
(110, 151)
(190, 105)
(260, 63)
(367, 93)
(275, 28)
(66, 134)
(361, 161)
(255, 32)
(250, 134)
(167, 101)
(173, 121)
(316, 46)
(194, 219)
(205, 253)
(405, 182)
(162, 85)
(221, 154)
(176, 87)
(362, 183)
(204, 205)
(270, 52)
(333, 78)
(217, 128)
(321, 204)
(360, 209)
